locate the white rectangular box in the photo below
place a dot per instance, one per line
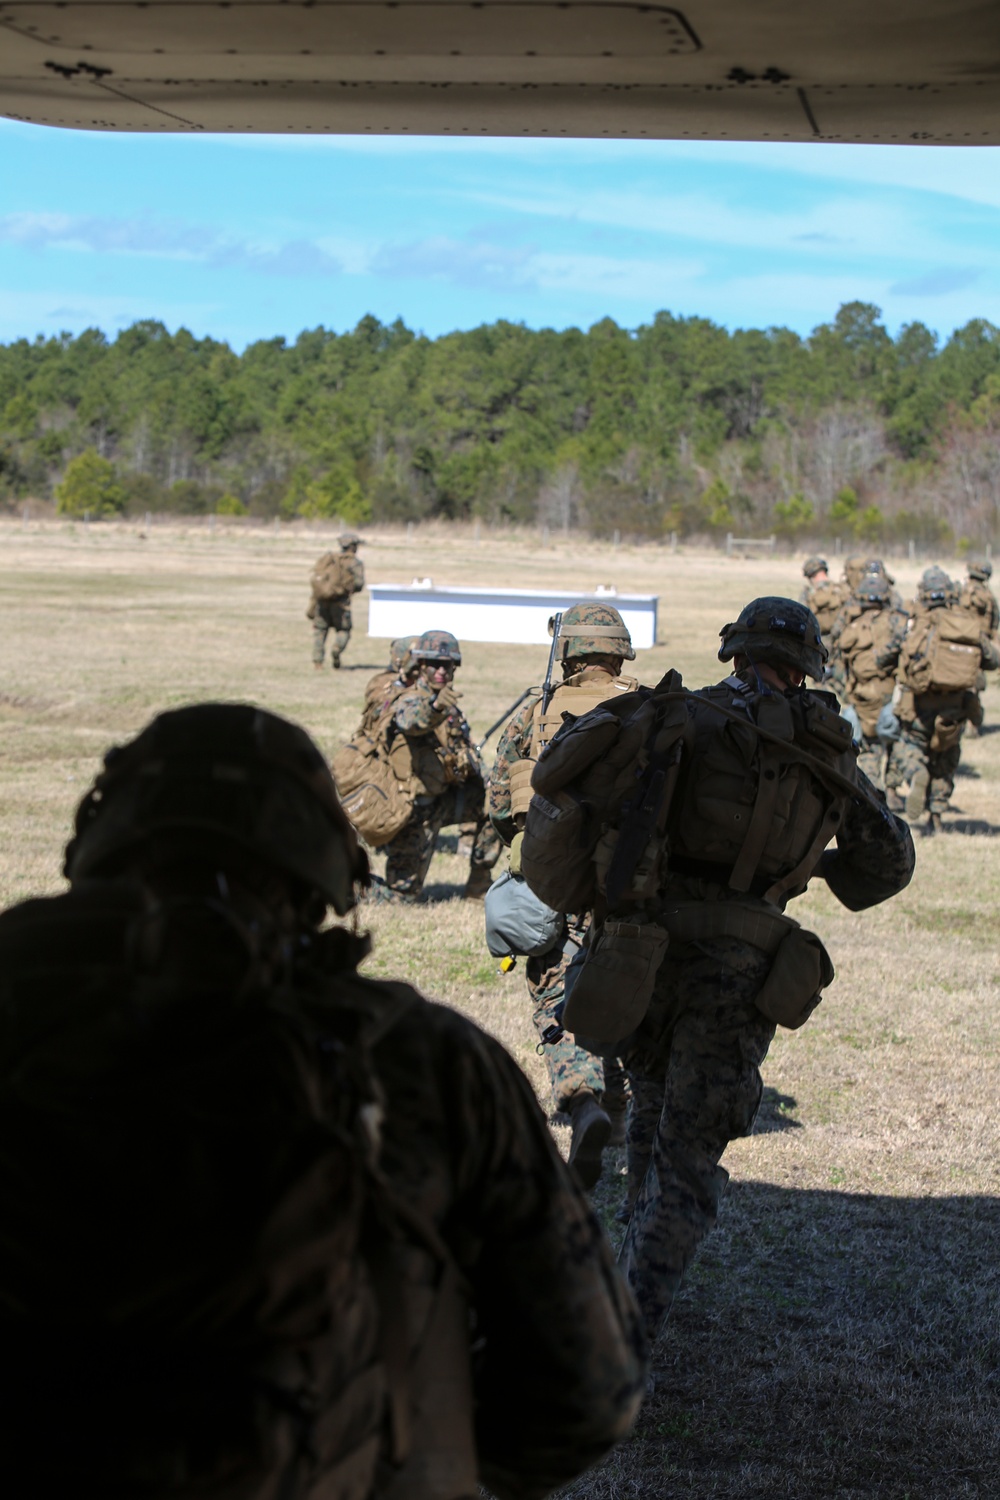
(518, 616)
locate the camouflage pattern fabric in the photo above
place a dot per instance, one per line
(694, 1068)
(515, 744)
(409, 855)
(465, 1155)
(913, 759)
(694, 1061)
(330, 614)
(465, 1143)
(570, 1067)
(976, 594)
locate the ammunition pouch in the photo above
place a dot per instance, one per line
(947, 732)
(800, 971)
(614, 985)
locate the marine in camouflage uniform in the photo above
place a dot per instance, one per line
(384, 686)
(857, 571)
(593, 643)
(978, 595)
(429, 745)
(869, 647)
(478, 1225)
(745, 832)
(335, 613)
(933, 720)
(821, 594)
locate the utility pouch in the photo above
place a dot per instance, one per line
(827, 728)
(800, 971)
(947, 732)
(557, 850)
(520, 786)
(615, 984)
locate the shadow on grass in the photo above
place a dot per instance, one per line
(975, 826)
(826, 1344)
(775, 1112)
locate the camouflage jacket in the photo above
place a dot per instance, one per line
(445, 733)
(516, 744)
(467, 1176)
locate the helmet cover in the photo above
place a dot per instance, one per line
(814, 565)
(436, 645)
(226, 772)
(935, 589)
(592, 629)
(778, 632)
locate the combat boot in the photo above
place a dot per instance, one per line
(591, 1131)
(616, 1110)
(335, 660)
(935, 825)
(916, 797)
(893, 801)
(479, 881)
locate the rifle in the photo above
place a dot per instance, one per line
(547, 688)
(505, 716)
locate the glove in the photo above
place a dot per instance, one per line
(446, 699)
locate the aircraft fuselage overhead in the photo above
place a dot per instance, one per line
(893, 71)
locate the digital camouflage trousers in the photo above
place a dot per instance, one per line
(694, 1067)
(409, 855)
(915, 762)
(331, 615)
(570, 1068)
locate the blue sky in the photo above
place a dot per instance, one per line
(246, 237)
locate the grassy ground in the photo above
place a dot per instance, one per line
(838, 1335)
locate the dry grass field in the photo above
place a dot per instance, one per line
(838, 1335)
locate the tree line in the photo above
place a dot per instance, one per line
(678, 425)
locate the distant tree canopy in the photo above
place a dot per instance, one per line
(677, 425)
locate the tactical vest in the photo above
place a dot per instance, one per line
(826, 600)
(576, 696)
(942, 653)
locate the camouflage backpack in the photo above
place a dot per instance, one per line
(189, 1175)
(333, 576)
(826, 601)
(942, 653)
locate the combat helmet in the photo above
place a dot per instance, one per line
(349, 539)
(776, 631)
(225, 773)
(400, 650)
(814, 565)
(592, 629)
(436, 645)
(979, 568)
(935, 589)
(873, 592)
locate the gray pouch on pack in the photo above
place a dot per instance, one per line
(517, 921)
